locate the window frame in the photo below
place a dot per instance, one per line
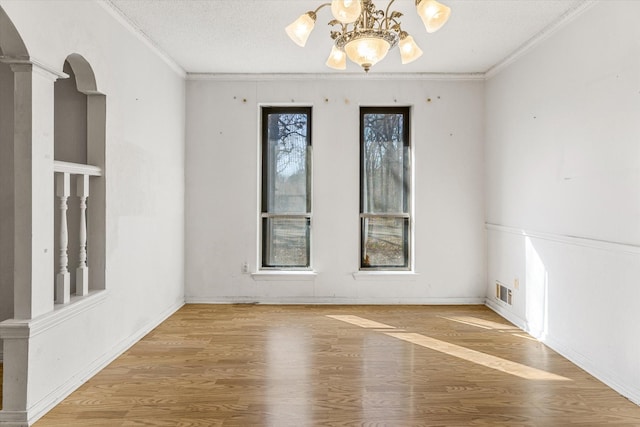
(265, 215)
(407, 199)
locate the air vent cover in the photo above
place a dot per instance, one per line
(503, 293)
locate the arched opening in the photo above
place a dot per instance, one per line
(79, 138)
(70, 145)
(70, 119)
(11, 43)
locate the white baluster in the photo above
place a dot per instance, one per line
(82, 272)
(63, 287)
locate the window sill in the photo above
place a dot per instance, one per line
(281, 275)
(385, 275)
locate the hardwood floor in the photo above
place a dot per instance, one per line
(254, 365)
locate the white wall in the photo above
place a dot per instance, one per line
(223, 182)
(144, 175)
(562, 186)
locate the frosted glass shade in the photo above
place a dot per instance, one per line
(337, 59)
(346, 11)
(299, 30)
(433, 14)
(409, 50)
(367, 51)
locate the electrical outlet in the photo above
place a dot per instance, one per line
(244, 267)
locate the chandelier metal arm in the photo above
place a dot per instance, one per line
(321, 6)
(335, 34)
(370, 16)
(386, 14)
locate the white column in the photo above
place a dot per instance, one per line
(82, 272)
(63, 282)
(16, 370)
(33, 190)
(33, 236)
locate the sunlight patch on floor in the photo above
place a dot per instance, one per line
(493, 362)
(481, 323)
(488, 324)
(529, 337)
(487, 360)
(359, 321)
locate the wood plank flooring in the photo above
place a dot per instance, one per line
(255, 365)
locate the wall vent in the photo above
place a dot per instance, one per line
(503, 293)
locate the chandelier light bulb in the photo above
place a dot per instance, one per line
(409, 50)
(433, 14)
(367, 51)
(346, 11)
(299, 30)
(337, 59)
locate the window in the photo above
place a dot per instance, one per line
(385, 179)
(286, 187)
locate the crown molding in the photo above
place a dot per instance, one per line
(259, 77)
(494, 70)
(546, 32)
(129, 25)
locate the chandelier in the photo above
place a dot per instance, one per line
(365, 34)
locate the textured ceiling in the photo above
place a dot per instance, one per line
(247, 36)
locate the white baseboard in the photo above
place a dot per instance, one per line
(59, 394)
(334, 301)
(631, 393)
(507, 314)
(14, 419)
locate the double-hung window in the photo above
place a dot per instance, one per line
(286, 188)
(385, 188)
